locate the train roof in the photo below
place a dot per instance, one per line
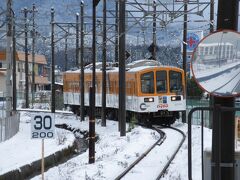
(134, 66)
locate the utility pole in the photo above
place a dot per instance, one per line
(184, 118)
(223, 147)
(122, 71)
(33, 53)
(9, 60)
(154, 31)
(82, 63)
(26, 57)
(53, 63)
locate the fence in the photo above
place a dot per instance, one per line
(193, 102)
(9, 126)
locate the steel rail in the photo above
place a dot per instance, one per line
(158, 142)
(174, 154)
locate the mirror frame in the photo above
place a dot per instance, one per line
(193, 73)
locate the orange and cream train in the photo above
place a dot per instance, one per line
(153, 92)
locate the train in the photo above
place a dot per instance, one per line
(154, 93)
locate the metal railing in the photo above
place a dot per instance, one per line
(201, 110)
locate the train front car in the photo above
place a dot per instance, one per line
(160, 94)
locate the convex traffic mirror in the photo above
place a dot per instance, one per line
(216, 63)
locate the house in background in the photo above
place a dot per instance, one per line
(40, 72)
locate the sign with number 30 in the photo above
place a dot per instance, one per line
(42, 126)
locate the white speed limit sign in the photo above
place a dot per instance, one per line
(42, 126)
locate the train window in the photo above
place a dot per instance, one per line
(147, 82)
(161, 81)
(175, 81)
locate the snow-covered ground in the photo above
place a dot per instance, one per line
(113, 153)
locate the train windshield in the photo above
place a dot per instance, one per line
(161, 81)
(147, 82)
(175, 81)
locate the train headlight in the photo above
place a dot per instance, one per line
(150, 99)
(176, 98)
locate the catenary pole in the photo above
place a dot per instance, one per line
(154, 31)
(185, 52)
(116, 31)
(26, 58)
(103, 113)
(53, 63)
(33, 52)
(65, 51)
(77, 40)
(92, 89)
(9, 60)
(122, 89)
(82, 62)
(14, 67)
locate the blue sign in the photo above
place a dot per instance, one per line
(192, 41)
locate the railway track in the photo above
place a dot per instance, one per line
(162, 139)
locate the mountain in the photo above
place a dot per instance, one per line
(137, 41)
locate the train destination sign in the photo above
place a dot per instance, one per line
(216, 63)
(42, 126)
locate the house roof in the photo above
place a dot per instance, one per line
(20, 56)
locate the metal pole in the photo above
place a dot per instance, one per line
(227, 19)
(26, 58)
(65, 52)
(116, 32)
(211, 15)
(94, 53)
(92, 89)
(154, 31)
(211, 30)
(82, 63)
(9, 60)
(33, 53)
(77, 40)
(122, 89)
(91, 156)
(53, 63)
(14, 68)
(185, 52)
(103, 113)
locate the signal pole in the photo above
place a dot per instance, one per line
(223, 148)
